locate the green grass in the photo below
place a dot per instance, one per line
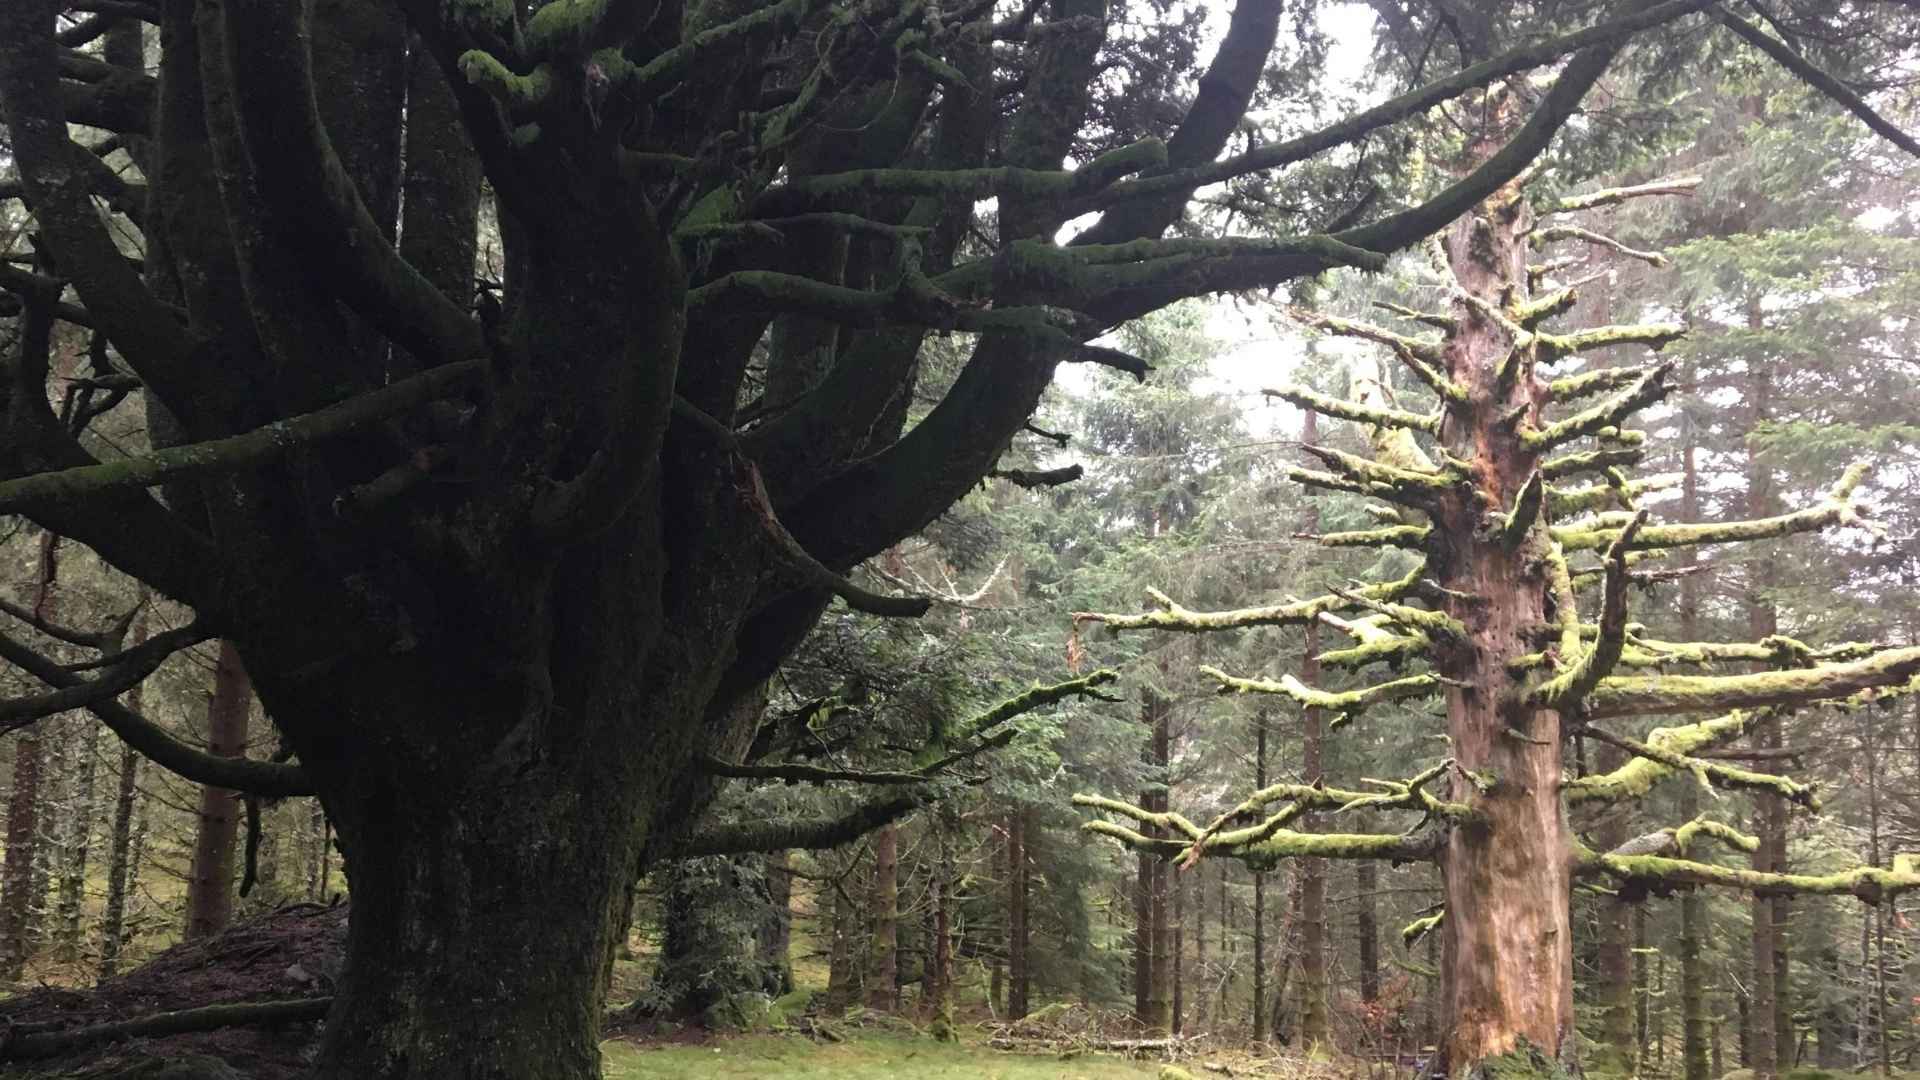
(868, 1057)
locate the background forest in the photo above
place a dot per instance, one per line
(1795, 264)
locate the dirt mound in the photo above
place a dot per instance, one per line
(292, 953)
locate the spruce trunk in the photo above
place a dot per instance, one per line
(1506, 940)
(210, 883)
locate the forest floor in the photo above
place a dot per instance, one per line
(870, 1056)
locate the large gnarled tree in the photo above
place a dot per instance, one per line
(505, 571)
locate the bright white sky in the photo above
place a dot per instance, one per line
(1257, 348)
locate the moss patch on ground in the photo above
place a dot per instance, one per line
(868, 1057)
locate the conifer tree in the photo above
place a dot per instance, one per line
(1512, 488)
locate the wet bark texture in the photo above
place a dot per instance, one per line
(1506, 939)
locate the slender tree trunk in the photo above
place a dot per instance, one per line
(1179, 930)
(76, 841)
(883, 968)
(1614, 1052)
(18, 919)
(1282, 1016)
(1771, 1050)
(840, 973)
(1260, 893)
(1870, 720)
(775, 939)
(940, 968)
(1642, 999)
(1200, 975)
(1313, 882)
(1160, 993)
(322, 854)
(1143, 937)
(210, 882)
(1367, 884)
(1693, 906)
(119, 857)
(1017, 973)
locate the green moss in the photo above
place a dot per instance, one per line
(1524, 1062)
(516, 91)
(564, 26)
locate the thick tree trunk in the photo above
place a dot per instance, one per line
(1177, 925)
(210, 882)
(883, 961)
(457, 965)
(1507, 938)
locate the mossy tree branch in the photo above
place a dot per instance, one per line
(125, 671)
(1596, 662)
(1657, 874)
(1354, 411)
(157, 745)
(1611, 413)
(1549, 233)
(1637, 695)
(237, 452)
(1712, 774)
(1344, 702)
(1683, 185)
(1836, 508)
(1174, 617)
